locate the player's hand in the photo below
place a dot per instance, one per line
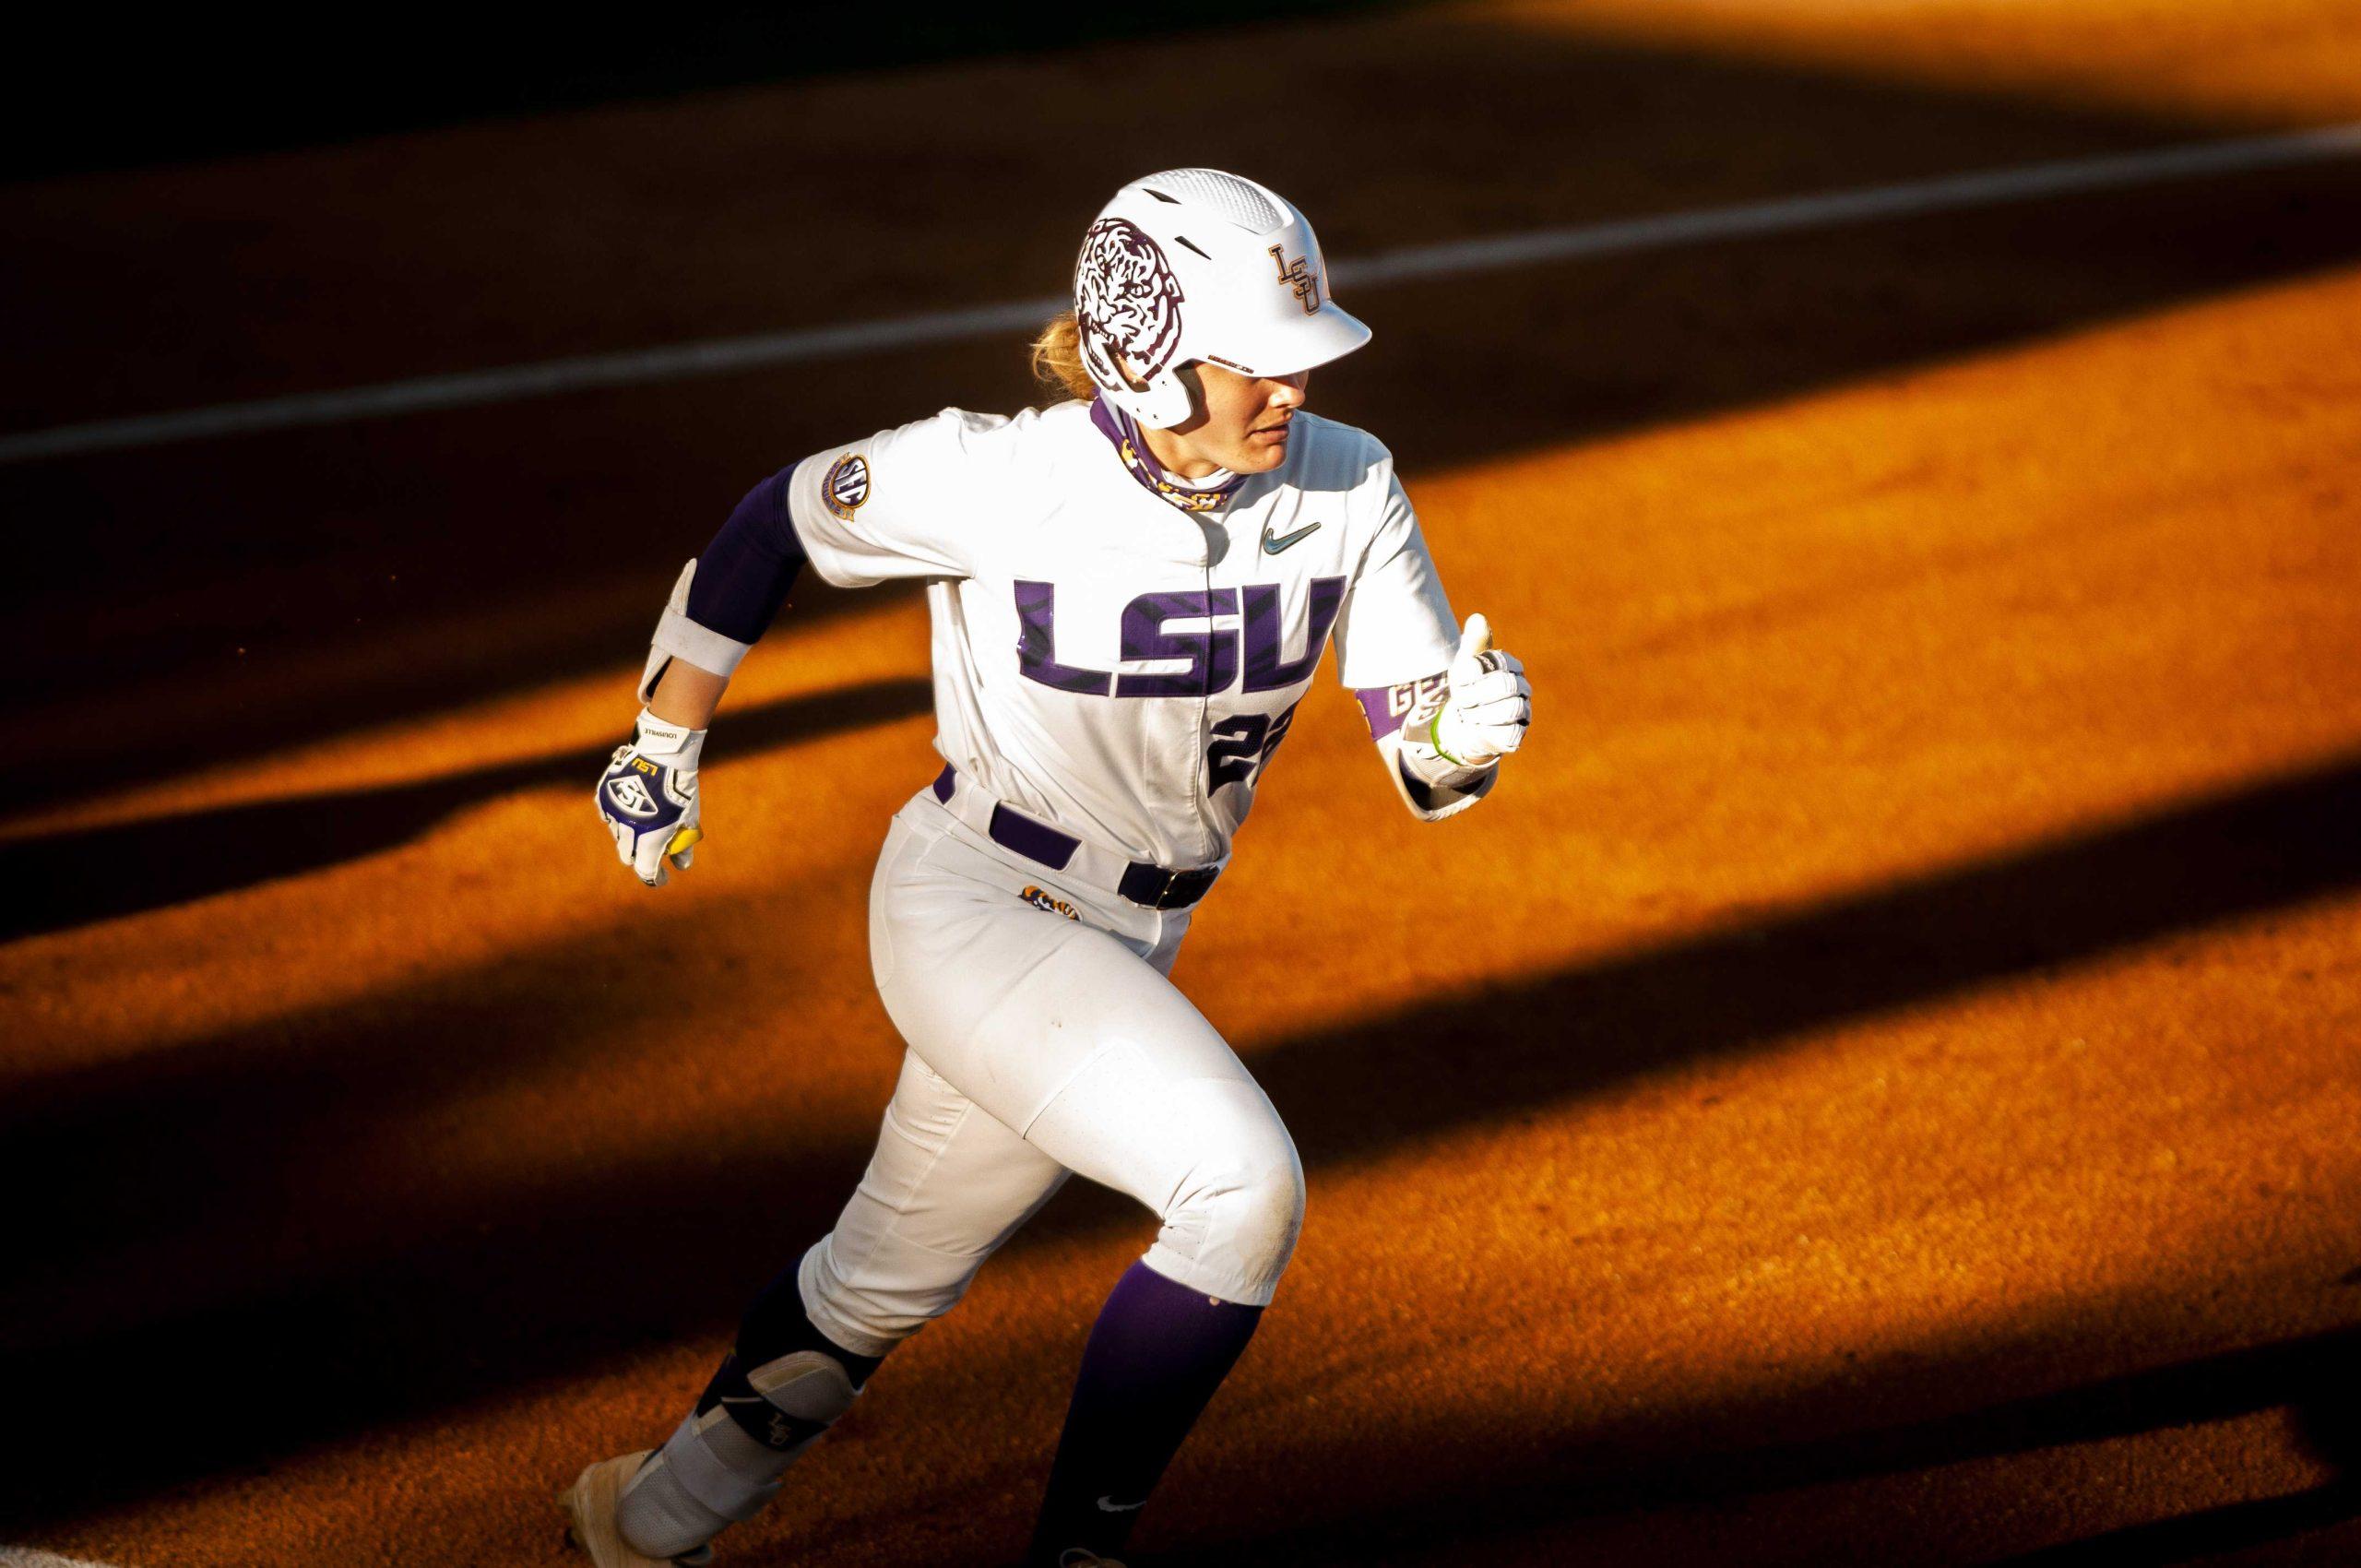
(647, 798)
(1489, 702)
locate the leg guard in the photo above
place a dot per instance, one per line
(723, 1463)
(778, 1325)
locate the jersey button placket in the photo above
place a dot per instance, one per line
(1210, 540)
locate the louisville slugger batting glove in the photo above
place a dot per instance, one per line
(647, 798)
(1491, 702)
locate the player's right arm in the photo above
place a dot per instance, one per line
(723, 600)
(832, 512)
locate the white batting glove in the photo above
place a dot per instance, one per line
(1489, 702)
(647, 798)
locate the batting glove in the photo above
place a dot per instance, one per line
(1489, 702)
(647, 798)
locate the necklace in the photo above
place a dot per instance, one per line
(1119, 428)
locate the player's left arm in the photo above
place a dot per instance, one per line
(1442, 737)
(1443, 705)
(1486, 710)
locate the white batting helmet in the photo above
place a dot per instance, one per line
(1193, 264)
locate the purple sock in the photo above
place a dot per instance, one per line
(1157, 1353)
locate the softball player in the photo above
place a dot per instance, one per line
(1131, 592)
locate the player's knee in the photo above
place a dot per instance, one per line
(1245, 1212)
(896, 1290)
(1271, 1215)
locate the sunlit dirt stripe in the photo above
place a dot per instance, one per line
(1623, 237)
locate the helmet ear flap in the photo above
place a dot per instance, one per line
(1163, 403)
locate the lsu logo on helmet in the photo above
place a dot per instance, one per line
(1298, 275)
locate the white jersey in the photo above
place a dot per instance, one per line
(1104, 661)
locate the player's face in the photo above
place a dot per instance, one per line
(1241, 424)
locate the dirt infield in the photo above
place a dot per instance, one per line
(1868, 1088)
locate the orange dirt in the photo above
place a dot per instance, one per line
(1878, 1083)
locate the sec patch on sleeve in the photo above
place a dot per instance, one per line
(847, 485)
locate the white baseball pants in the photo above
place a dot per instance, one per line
(1040, 1044)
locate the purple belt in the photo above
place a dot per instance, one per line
(1143, 882)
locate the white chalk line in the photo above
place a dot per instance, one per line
(1451, 259)
(31, 1556)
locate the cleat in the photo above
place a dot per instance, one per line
(589, 1505)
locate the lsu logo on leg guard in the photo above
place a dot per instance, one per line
(1047, 903)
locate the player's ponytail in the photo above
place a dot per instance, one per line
(1057, 359)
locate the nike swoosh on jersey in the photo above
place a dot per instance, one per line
(1272, 546)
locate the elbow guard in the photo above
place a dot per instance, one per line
(713, 618)
(678, 637)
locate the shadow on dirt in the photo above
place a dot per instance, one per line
(101, 872)
(355, 1299)
(180, 601)
(2316, 1378)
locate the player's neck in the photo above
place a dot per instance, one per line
(1173, 454)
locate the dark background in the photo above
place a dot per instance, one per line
(108, 93)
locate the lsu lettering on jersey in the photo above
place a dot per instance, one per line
(1106, 661)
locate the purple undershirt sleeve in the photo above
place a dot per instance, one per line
(744, 576)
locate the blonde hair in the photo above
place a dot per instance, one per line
(1057, 359)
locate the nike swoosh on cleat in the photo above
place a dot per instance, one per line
(1108, 1504)
(1272, 546)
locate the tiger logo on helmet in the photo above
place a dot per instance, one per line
(1126, 303)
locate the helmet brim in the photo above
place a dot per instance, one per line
(1308, 342)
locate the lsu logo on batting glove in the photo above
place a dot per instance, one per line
(647, 798)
